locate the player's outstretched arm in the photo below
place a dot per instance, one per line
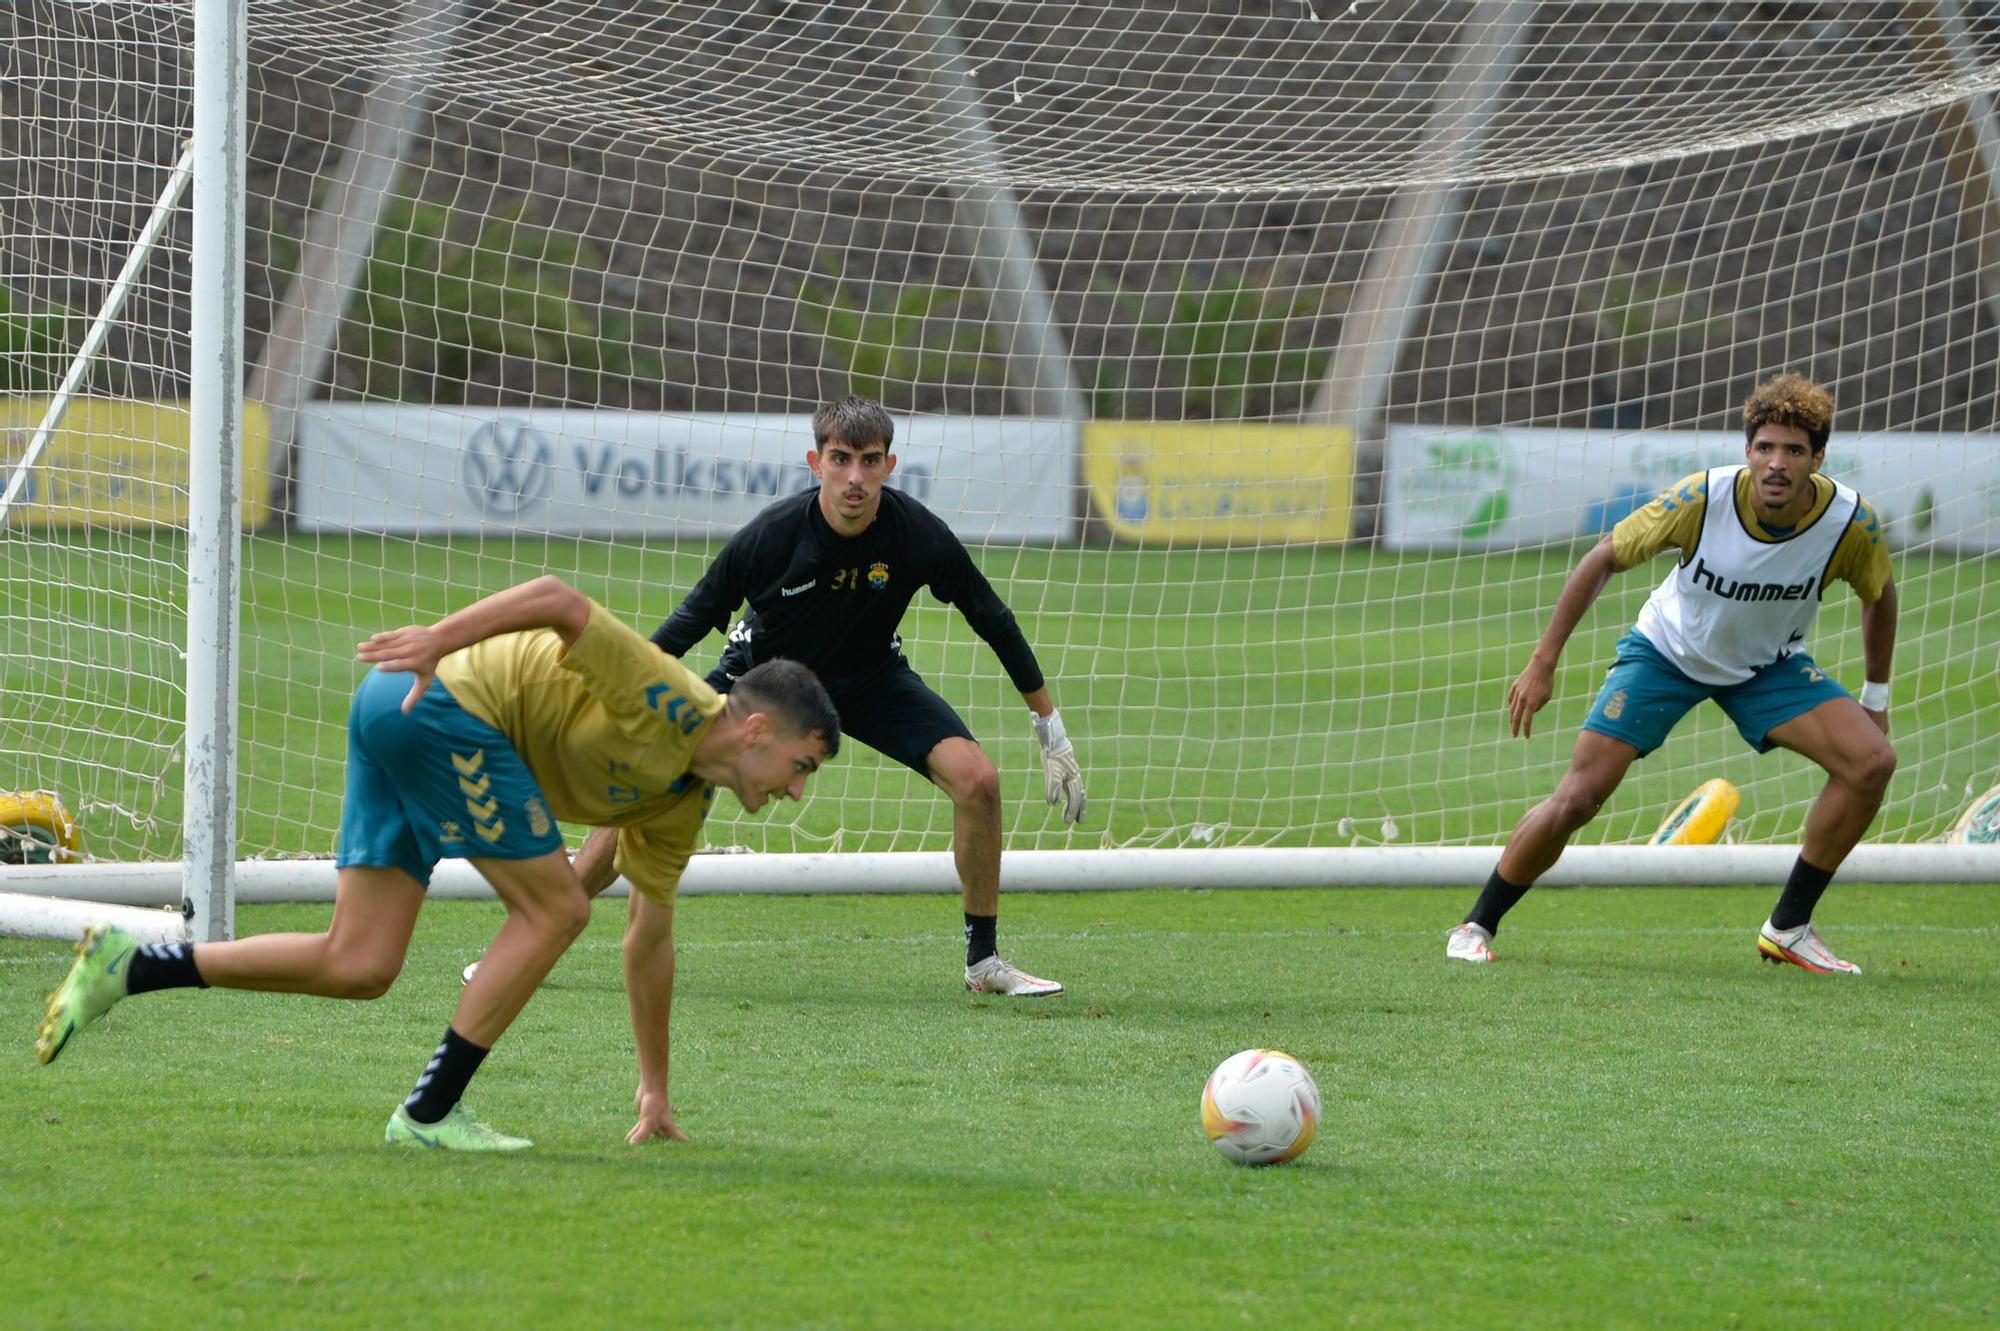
(1062, 777)
(1878, 648)
(1530, 691)
(649, 990)
(596, 861)
(714, 598)
(545, 602)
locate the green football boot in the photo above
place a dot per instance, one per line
(456, 1131)
(94, 983)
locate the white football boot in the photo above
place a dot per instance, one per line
(996, 975)
(1803, 947)
(1468, 942)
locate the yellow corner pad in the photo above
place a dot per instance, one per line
(1979, 825)
(1699, 819)
(35, 828)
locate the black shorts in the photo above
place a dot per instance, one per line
(892, 711)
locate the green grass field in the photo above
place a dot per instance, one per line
(1297, 696)
(1628, 1121)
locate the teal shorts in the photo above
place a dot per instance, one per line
(1645, 695)
(434, 783)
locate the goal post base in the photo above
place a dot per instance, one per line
(270, 881)
(65, 919)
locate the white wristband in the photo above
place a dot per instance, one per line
(1874, 696)
(1048, 729)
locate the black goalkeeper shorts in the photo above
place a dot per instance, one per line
(892, 711)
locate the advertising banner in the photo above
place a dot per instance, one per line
(1221, 482)
(390, 467)
(1495, 488)
(119, 464)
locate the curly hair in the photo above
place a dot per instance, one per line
(1790, 399)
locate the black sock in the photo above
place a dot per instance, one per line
(1495, 899)
(981, 935)
(1802, 892)
(162, 966)
(443, 1082)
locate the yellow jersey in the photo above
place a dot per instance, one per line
(608, 728)
(1673, 520)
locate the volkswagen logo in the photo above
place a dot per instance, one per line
(507, 467)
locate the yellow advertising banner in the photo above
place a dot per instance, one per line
(120, 464)
(1221, 482)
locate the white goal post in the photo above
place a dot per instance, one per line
(1276, 361)
(263, 882)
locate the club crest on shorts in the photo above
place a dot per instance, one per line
(878, 576)
(1614, 706)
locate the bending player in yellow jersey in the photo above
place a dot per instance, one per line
(1757, 545)
(470, 739)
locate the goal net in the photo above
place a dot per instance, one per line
(1278, 361)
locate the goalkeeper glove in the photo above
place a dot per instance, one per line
(1062, 779)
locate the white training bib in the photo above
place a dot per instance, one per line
(1743, 601)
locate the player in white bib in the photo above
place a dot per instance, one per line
(1757, 546)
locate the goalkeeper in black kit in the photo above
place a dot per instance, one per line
(827, 575)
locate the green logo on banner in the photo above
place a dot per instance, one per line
(1469, 483)
(1486, 518)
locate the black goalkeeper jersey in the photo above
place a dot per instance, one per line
(834, 602)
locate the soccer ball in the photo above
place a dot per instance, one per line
(1260, 1107)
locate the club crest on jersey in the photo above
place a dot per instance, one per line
(878, 576)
